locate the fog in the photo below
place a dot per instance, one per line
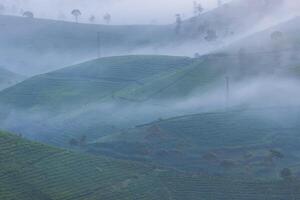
(80, 41)
(265, 96)
(39, 54)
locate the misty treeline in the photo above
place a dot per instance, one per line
(15, 9)
(224, 22)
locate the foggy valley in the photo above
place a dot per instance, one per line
(125, 99)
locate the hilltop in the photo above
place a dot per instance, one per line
(58, 43)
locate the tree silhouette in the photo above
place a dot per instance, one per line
(76, 13)
(28, 14)
(107, 18)
(198, 9)
(276, 154)
(286, 174)
(82, 140)
(92, 19)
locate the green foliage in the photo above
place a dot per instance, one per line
(89, 82)
(204, 141)
(32, 171)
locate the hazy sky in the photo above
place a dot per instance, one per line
(122, 11)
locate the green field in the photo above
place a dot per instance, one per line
(186, 142)
(90, 82)
(65, 103)
(35, 171)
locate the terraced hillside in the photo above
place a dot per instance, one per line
(34, 171)
(90, 82)
(8, 78)
(93, 98)
(255, 55)
(84, 98)
(235, 142)
(87, 91)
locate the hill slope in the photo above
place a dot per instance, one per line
(94, 98)
(90, 82)
(58, 43)
(203, 142)
(34, 171)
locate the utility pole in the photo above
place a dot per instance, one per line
(98, 45)
(227, 91)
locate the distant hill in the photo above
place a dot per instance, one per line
(274, 50)
(34, 171)
(226, 20)
(8, 78)
(58, 43)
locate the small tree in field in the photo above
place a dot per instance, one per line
(107, 18)
(76, 13)
(286, 174)
(198, 9)
(92, 19)
(28, 14)
(82, 140)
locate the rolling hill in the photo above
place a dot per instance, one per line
(81, 99)
(90, 82)
(35, 171)
(58, 43)
(204, 142)
(93, 98)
